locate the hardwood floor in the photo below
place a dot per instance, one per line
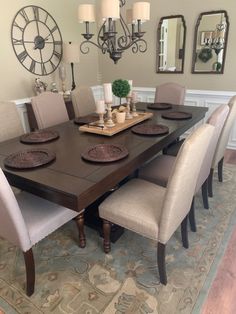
(221, 298)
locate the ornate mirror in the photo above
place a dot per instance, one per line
(171, 34)
(210, 42)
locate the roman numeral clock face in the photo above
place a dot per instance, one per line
(36, 40)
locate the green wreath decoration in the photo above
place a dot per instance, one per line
(205, 54)
(120, 88)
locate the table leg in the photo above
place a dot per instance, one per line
(80, 223)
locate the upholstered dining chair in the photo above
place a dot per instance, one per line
(83, 101)
(171, 93)
(159, 170)
(156, 212)
(49, 109)
(10, 123)
(26, 219)
(218, 158)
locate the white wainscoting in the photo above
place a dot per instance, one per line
(201, 98)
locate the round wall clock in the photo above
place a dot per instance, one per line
(36, 39)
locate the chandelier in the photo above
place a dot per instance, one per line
(216, 39)
(108, 39)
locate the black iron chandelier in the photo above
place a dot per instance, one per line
(108, 39)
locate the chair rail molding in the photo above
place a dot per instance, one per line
(201, 98)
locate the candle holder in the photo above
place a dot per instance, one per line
(109, 122)
(133, 102)
(101, 119)
(128, 114)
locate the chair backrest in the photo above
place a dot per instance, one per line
(12, 224)
(170, 93)
(49, 109)
(83, 101)
(224, 136)
(10, 123)
(217, 119)
(182, 181)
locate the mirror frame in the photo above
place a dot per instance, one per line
(158, 45)
(194, 56)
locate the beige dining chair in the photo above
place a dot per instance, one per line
(49, 109)
(10, 123)
(156, 212)
(83, 101)
(26, 219)
(171, 93)
(158, 170)
(218, 158)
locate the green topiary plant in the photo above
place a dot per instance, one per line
(120, 88)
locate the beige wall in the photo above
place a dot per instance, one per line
(142, 67)
(15, 81)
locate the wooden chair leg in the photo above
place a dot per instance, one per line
(220, 170)
(161, 252)
(184, 232)
(30, 272)
(191, 216)
(205, 194)
(210, 182)
(80, 224)
(106, 236)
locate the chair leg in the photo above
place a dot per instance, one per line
(106, 236)
(184, 232)
(205, 194)
(30, 272)
(220, 170)
(80, 224)
(191, 216)
(161, 254)
(210, 182)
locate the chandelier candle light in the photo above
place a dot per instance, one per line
(107, 87)
(108, 39)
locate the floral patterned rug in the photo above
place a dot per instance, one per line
(71, 280)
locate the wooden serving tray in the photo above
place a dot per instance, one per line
(142, 116)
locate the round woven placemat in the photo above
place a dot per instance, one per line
(41, 136)
(28, 159)
(177, 115)
(105, 153)
(150, 129)
(159, 106)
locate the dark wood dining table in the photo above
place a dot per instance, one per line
(75, 183)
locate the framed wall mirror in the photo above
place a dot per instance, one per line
(210, 42)
(171, 36)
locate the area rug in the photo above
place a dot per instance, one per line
(71, 280)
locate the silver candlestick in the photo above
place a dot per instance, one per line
(109, 122)
(133, 101)
(128, 114)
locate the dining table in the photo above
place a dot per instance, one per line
(75, 183)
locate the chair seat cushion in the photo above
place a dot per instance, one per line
(41, 216)
(135, 206)
(158, 170)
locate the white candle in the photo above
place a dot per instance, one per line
(141, 11)
(107, 88)
(110, 9)
(131, 86)
(100, 106)
(86, 13)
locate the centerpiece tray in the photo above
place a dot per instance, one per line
(93, 128)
